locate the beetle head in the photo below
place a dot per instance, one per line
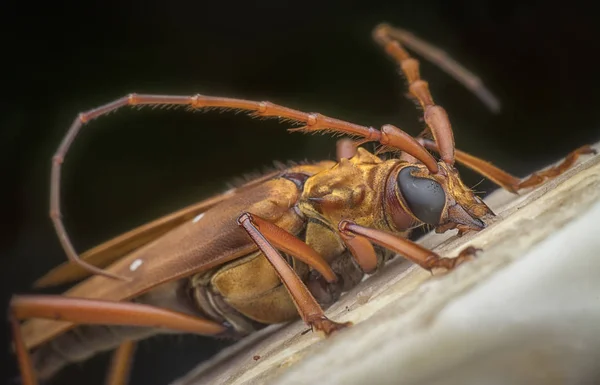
(441, 200)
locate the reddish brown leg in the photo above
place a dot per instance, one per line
(288, 243)
(28, 376)
(93, 311)
(362, 250)
(435, 116)
(410, 250)
(446, 63)
(508, 181)
(120, 365)
(307, 306)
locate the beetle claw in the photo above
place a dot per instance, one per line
(327, 326)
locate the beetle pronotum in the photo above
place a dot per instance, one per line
(285, 244)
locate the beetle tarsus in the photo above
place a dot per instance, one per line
(444, 265)
(552, 172)
(327, 326)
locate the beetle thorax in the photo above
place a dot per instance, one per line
(352, 189)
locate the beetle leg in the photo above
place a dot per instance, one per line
(508, 181)
(307, 306)
(94, 311)
(362, 250)
(410, 250)
(120, 365)
(28, 376)
(288, 243)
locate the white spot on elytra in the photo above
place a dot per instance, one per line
(230, 191)
(198, 217)
(135, 264)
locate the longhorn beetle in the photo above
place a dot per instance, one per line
(284, 245)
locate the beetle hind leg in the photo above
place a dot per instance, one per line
(541, 176)
(120, 366)
(410, 250)
(94, 311)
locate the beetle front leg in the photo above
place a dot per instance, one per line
(307, 306)
(362, 251)
(506, 180)
(410, 250)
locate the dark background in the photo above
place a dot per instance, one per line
(133, 166)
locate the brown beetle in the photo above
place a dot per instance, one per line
(214, 268)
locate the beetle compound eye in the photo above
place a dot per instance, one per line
(425, 197)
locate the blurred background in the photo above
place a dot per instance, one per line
(133, 166)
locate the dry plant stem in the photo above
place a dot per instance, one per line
(308, 308)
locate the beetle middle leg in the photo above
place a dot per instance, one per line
(410, 250)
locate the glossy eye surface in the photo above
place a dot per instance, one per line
(425, 197)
